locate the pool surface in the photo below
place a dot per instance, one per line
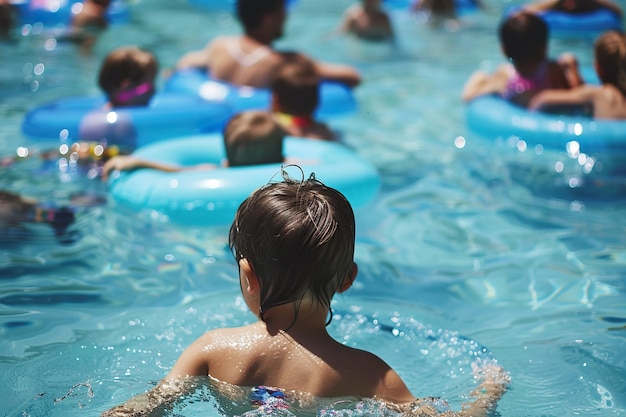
(474, 247)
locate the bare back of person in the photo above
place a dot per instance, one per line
(242, 60)
(297, 360)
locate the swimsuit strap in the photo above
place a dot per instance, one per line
(247, 59)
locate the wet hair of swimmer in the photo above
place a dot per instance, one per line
(524, 37)
(252, 12)
(610, 56)
(298, 237)
(253, 138)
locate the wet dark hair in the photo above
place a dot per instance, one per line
(132, 64)
(251, 12)
(296, 87)
(253, 137)
(610, 54)
(524, 37)
(298, 237)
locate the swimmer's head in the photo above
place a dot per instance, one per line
(295, 88)
(255, 14)
(610, 59)
(127, 76)
(524, 37)
(253, 138)
(298, 238)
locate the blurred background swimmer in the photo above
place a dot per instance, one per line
(367, 20)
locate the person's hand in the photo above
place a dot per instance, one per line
(119, 163)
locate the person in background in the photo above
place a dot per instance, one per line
(295, 98)
(249, 59)
(15, 210)
(86, 25)
(608, 101)
(7, 17)
(127, 76)
(367, 20)
(524, 41)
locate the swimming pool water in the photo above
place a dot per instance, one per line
(469, 237)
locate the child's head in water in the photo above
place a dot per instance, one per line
(524, 38)
(252, 138)
(298, 238)
(127, 76)
(610, 59)
(296, 87)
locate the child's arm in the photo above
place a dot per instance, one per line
(196, 59)
(193, 362)
(575, 96)
(495, 383)
(128, 162)
(480, 83)
(337, 72)
(540, 6)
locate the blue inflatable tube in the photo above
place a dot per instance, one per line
(493, 117)
(58, 13)
(211, 197)
(85, 118)
(336, 99)
(577, 25)
(462, 6)
(223, 5)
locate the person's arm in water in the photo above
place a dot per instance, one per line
(481, 83)
(129, 162)
(561, 97)
(200, 58)
(344, 74)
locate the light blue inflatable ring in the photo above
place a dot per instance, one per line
(211, 197)
(85, 119)
(493, 117)
(58, 13)
(462, 6)
(336, 99)
(578, 25)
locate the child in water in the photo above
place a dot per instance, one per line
(86, 25)
(295, 97)
(367, 21)
(127, 78)
(608, 101)
(524, 40)
(15, 210)
(250, 138)
(294, 245)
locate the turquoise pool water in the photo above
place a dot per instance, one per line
(472, 242)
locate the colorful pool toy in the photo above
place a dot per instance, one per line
(212, 196)
(336, 99)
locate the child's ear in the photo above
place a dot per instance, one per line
(349, 280)
(252, 280)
